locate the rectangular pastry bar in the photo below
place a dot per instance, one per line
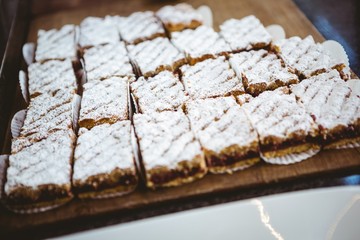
(104, 161)
(98, 31)
(170, 153)
(56, 44)
(261, 70)
(334, 106)
(139, 27)
(163, 92)
(179, 17)
(307, 57)
(229, 141)
(45, 114)
(104, 101)
(51, 76)
(154, 56)
(245, 34)
(282, 124)
(200, 43)
(39, 176)
(106, 61)
(210, 78)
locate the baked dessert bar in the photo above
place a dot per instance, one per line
(39, 176)
(334, 106)
(200, 43)
(261, 70)
(210, 78)
(105, 61)
(179, 17)
(51, 76)
(229, 141)
(45, 114)
(159, 93)
(307, 57)
(154, 56)
(104, 161)
(56, 44)
(245, 34)
(283, 125)
(104, 101)
(139, 27)
(98, 31)
(170, 153)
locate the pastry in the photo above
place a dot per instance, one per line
(104, 161)
(261, 70)
(210, 78)
(104, 101)
(229, 141)
(56, 44)
(163, 92)
(200, 43)
(179, 17)
(171, 155)
(245, 34)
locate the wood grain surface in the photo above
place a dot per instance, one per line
(283, 12)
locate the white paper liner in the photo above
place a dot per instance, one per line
(206, 13)
(276, 31)
(35, 210)
(28, 52)
(3, 166)
(235, 169)
(75, 111)
(17, 122)
(83, 78)
(136, 152)
(24, 85)
(336, 51)
(348, 145)
(291, 158)
(135, 105)
(111, 195)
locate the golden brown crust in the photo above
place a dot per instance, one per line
(290, 150)
(176, 27)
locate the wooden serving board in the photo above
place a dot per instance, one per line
(283, 12)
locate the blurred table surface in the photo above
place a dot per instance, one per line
(337, 20)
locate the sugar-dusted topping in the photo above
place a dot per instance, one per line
(200, 42)
(276, 114)
(97, 31)
(106, 99)
(48, 113)
(220, 123)
(243, 98)
(103, 149)
(165, 139)
(140, 26)
(210, 78)
(245, 34)
(306, 56)
(105, 61)
(56, 44)
(45, 162)
(329, 100)
(259, 67)
(155, 55)
(159, 93)
(51, 76)
(181, 13)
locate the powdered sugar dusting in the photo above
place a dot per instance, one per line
(165, 139)
(210, 78)
(102, 62)
(200, 42)
(51, 76)
(56, 44)
(245, 34)
(159, 93)
(103, 149)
